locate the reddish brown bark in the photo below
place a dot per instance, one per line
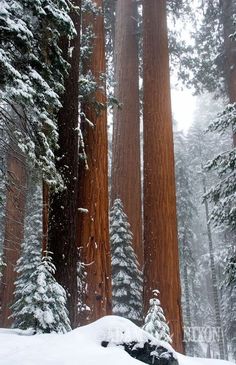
(93, 231)
(62, 233)
(14, 229)
(126, 175)
(230, 52)
(161, 264)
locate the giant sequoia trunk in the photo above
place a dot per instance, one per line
(14, 228)
(229, 8)
(126, 178)
(63, 205)
(161, 264)
(93, 231)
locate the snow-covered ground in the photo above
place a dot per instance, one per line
(81, 346)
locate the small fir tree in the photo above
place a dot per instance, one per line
(42, 305)
(31, 246)
(127, 282)
(155, 321)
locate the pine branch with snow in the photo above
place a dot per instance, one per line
(33, 70)
(223, 193)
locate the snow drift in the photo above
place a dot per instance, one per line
(83, 346)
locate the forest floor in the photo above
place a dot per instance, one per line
(81, 346)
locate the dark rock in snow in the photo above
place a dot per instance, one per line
(147, 352)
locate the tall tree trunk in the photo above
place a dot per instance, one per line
(45, 213)
(126, 174)
(62, 233)
(215, 284)
(93, 227)
(161, 264)
(229, 8)
(187, 295)
(14, 228)
(186, 281)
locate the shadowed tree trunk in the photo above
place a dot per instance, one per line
(126, 176)
(161, 264)
(62, 233)
(14, 228)
(93, 227)
(45, 213)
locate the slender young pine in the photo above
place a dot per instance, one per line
(155, 321)
(126, 277)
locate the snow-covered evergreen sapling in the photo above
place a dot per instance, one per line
(127, 282)
(155, 321)
(42, 305)
(30, 256)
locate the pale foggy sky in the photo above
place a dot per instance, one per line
(183, 106)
